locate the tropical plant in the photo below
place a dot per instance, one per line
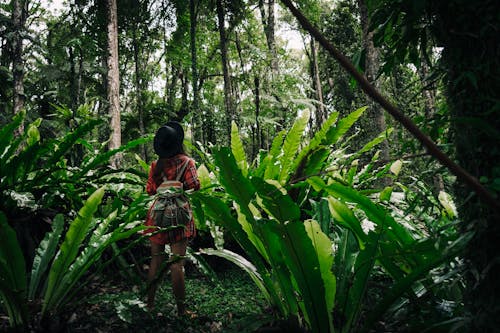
(282, 209)
(37, 175)
(59, 266)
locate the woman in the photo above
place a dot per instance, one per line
(172, 158)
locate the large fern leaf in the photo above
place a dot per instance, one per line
(271, 161)
(291, 146)
(238, 150)
(68, 251)
(44, 254)
(344, 124)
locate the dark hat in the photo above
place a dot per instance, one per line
(168, 139)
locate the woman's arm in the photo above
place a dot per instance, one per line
(151, 185)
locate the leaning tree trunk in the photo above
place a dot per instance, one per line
(19, 15)
(113, 81)
(228, 92)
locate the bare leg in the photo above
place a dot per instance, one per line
(177, 271)
(157, 255)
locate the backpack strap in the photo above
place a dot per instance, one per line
(180, 174)
(183, 170)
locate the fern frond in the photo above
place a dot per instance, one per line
(238, 150)
(291, 146)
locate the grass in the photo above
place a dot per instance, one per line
(233, 305)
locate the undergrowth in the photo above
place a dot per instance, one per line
(233, 305)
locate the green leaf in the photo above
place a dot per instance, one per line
(44, 254)
(343, 126)
(403, 285)
(232, 178)
(12, 275)
(385, 195)
(362, 270)
(297, 245)
(238, 150)
(271, 162)
(291, 146)
(345, 217)
(7, 133)
(316, 142)
(323, 246)
(275, 202)
(242, 263)
(68, 251)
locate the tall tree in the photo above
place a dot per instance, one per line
(196, 114)
(268, 21)
(374, 119)
(19, 16)
(113, 80)
(228, 90)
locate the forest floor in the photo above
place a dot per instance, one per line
(233, 304)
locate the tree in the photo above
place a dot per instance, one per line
(229, 103)
(374, 120)
(113, 80)
(19, 16)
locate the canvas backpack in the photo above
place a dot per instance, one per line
(171, 206)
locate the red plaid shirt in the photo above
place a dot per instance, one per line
(171, 168)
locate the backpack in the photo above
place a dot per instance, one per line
(171, 206)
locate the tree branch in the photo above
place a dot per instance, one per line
(431, 147)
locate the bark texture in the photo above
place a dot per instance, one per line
(113, 81)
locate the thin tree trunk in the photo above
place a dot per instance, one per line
(175, 73)
(196, 114)
(79, 76)
(113, 82)
(258, 131)
(19, 16)
(429, 91)
(320, 108)
(228, 91)
(138, 91)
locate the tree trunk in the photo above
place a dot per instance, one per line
(138, 91)
(268, 22)
(19, 16)
(196, 114)
(79, 76)
(113, 82)
(373, 121)
(320, 108)
(228, 91)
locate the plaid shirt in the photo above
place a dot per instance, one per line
(171, 167)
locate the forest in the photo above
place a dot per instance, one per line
(347, 151)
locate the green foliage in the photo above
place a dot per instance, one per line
(36, 173)
(57, 268)
(12, 275)
(37, 177)
(269, 209)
